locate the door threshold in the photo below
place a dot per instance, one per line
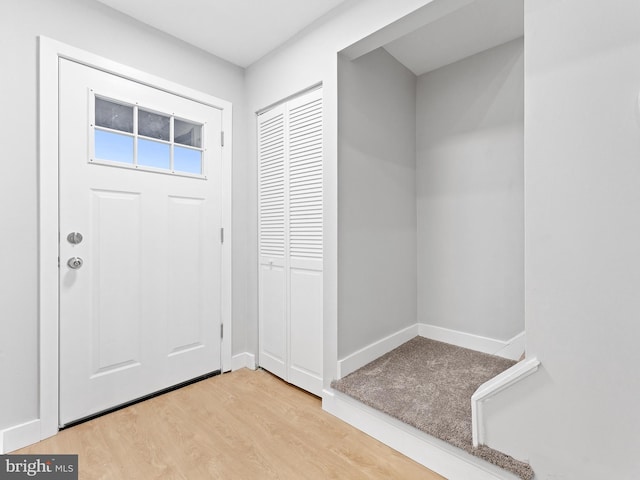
(140, 399)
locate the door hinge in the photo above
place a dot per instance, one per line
(222, 138)
(222, 330)
(221, 235)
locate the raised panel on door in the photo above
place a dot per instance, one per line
(116, 290)
(272, 311)
(193, 288)
(185, 301)
(305, 358)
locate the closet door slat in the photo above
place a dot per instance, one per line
(271, 187)
(305, 178)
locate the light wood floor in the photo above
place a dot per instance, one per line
(241, 425)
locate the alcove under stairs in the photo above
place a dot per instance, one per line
(428, 385)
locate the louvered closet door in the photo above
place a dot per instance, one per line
(272, 246)
(305, 241)
(290, 210)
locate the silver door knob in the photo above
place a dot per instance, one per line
(75, 263)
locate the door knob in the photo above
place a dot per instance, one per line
(75, 263)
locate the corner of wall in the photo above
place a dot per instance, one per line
(243, 360)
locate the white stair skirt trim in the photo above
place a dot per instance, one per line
(19, 436)
(243, 360)
(490, 388)
(436, 455)
(512, 348)
(358, 359)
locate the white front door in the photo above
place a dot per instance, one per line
(140, 281)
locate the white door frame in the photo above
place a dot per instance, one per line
(50, 51)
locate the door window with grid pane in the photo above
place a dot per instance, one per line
(129, 135)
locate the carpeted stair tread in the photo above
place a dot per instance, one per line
(428, 385)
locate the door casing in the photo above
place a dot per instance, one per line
(50, 51)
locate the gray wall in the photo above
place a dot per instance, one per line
(470, 207)
(578, 417)
(376, 200)
(96, 28)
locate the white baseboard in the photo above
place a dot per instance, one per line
(19, 436)
(369, 353)
(243, 360)
(512, 348)
(436, 455)
(494, 386)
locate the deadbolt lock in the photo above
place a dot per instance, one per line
(74, 238)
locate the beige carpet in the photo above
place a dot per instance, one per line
(428, 385)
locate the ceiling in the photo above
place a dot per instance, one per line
(476, 27)
(243, 31)
(239, 31)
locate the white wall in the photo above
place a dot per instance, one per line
(578, 418)
(470, 177)
(376, 199)
(96, 28)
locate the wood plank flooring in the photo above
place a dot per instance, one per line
(240, 425)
